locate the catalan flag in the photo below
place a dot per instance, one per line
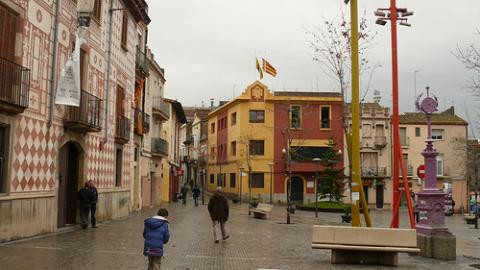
(268, 68)
(259, 69)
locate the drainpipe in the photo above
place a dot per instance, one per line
(109, 62)
(54, 63)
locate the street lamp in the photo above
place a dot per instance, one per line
(394, 14)
(84, 12)
(271, 181)
(240, 184)
(317, 161)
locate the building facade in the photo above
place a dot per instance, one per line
(247, 137)
(49, 151)
(449, 133)
(375, 153)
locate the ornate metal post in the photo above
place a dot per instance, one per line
(433, 236)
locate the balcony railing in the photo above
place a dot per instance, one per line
(14, 86)
(161, 108)
(86, 117)
(374, 171)
(380, 141)
(141, 62)
(159, 146)
(122, 129)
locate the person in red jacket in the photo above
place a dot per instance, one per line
(219, 210)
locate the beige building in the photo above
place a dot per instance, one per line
(375, 154)
(49, 151)
(449, 133)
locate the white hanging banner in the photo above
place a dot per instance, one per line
(68, 92)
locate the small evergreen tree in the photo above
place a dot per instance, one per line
(331, 178)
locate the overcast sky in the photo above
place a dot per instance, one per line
(208, 47)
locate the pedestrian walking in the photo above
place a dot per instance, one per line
(93, 204)
(84, 197)
(184, 191)
(156, 234)
(219, 210)
(195, 194)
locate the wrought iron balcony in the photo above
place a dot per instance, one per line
(141, 63)
(122, 129)
(159, 147)
(160, 108)
(86, 117)
(14, 86)
(374, 171)
(380, 141)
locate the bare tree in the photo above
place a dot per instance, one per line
(332, 48)
(470, 58)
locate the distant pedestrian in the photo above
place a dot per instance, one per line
(184, 191)
(196, 194)
(93, 204)
(156, 234)
(219, 210)
(84, 197)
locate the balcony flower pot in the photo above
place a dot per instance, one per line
(235, 200)
(254, 202)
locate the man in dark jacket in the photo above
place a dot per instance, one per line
(184, 191)
(195, 194)
(84, 197)
(218, 209)
(93, 204)
(156, 234)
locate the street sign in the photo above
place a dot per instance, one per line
(421, 171)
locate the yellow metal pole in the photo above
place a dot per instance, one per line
(357, 188)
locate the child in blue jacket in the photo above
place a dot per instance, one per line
(155, 234)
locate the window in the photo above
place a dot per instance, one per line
(257, 116)
(295, 116)
(233, 178)
(234, 148)
(221, 181)
(124, 30)
(118, 167)
(256, 147)
(97, 10)
(325, 118)
(8, 26)
(437, 134)
(212, 151)
(212, 128)
(417, 132)
(306, 154)
(234, 119)
(257, 180)
(3, 158)
(439, 165)
(212, 178)
(366, 130)
(120, 102)
(403, 136)
(135, 153)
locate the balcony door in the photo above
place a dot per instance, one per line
(8, 26)
(370, 163)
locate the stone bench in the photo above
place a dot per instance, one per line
(262, 210)
(364, 245)
(469, 218)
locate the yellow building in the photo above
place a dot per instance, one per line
(247, 135)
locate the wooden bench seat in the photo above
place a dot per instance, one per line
(262, 210)
(364, 245)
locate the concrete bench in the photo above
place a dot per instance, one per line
(262, 210)
(364, 245)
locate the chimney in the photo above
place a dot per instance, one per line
(211, 104)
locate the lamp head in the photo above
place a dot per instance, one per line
(346, 2)
(405, 24)
(407, 13)
(380, 21)
(380, 13)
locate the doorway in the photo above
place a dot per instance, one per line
(297, 190)
(365, 191)
(379, 196)
(68, 178)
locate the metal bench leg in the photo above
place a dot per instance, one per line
(364, 257)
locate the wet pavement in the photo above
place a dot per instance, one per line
(254, 244)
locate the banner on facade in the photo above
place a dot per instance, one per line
(68, 92)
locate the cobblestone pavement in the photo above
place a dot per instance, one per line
(254, 244)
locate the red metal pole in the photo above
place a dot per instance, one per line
(395, 124)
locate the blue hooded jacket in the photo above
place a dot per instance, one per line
(155, 234)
